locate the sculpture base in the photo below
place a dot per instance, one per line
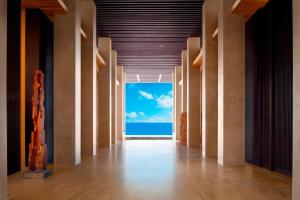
(38, 174)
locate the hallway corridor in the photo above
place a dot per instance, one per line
(152, 170)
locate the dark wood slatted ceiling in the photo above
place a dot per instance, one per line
(149, 33)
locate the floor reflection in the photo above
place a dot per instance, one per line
(152, 170)
(149, 164)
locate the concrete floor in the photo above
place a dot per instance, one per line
(152, 170)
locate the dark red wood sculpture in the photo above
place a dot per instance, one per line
(183, 128)
(38, 147)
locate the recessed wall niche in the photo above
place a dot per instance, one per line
(39, 55)
(269, 83)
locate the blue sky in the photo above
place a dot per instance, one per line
(149, 102)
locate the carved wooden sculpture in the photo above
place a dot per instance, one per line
(183, 128)
(38, 147)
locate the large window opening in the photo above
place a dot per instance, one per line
(149, 110)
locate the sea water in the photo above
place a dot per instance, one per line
(149, 128)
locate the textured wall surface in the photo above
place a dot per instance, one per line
(113, 118)
(88, 79)
(209, 80)
(119, 104)
(193, 94)
(178, 96)
(67, 86)
(231, 85)
(104, 94)
(184, 79)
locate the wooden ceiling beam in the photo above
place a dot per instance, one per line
(247, 7)
(83, 34)
(49, 7)
(149, 29)
(100, 61)
(215, 34)
(198, 61)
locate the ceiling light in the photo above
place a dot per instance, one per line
(180, 82)
(159, 78)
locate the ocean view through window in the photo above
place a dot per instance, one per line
(149, 109)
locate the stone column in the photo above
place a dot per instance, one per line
(124, 104)
(3, 94)
(296, 100)
(104, 94)
(193, 94)
(178, 104)
(184, 80)
(231, 86)
(113, 96)
(210, 80)
(120, 103)
(88, 76)
(174, 103)
(67, 86)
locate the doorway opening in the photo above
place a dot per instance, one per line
(149, 111)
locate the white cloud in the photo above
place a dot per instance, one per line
(146, 95)
(158, 119)
(142, 114)
(171, 93)
(131, 115)
(165, 101)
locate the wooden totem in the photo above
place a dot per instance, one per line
(38, 147)
(183, 128)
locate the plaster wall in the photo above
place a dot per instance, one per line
(210, 80)
(104, 94)
(231, 85)
(296, 100)
(88, 75)
(67, 86)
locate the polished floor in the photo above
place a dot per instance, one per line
(152, 170)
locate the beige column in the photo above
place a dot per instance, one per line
(113, 96)
(178, 99)
(174, 103)
(184, 80)
(193, 94)
(67, 86)
(231, 86)
(104, 94)
(88, 76)
(124, 103)
(3, 107)
(120, 103)
(210, 80)
(296, 100)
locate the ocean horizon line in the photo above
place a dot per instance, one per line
(150, 122)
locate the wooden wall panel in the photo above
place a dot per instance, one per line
(268, 87)
(32, 63)
(13, 86)
(3, 100)
(251, 86)
(46, 65)
(283, 84)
